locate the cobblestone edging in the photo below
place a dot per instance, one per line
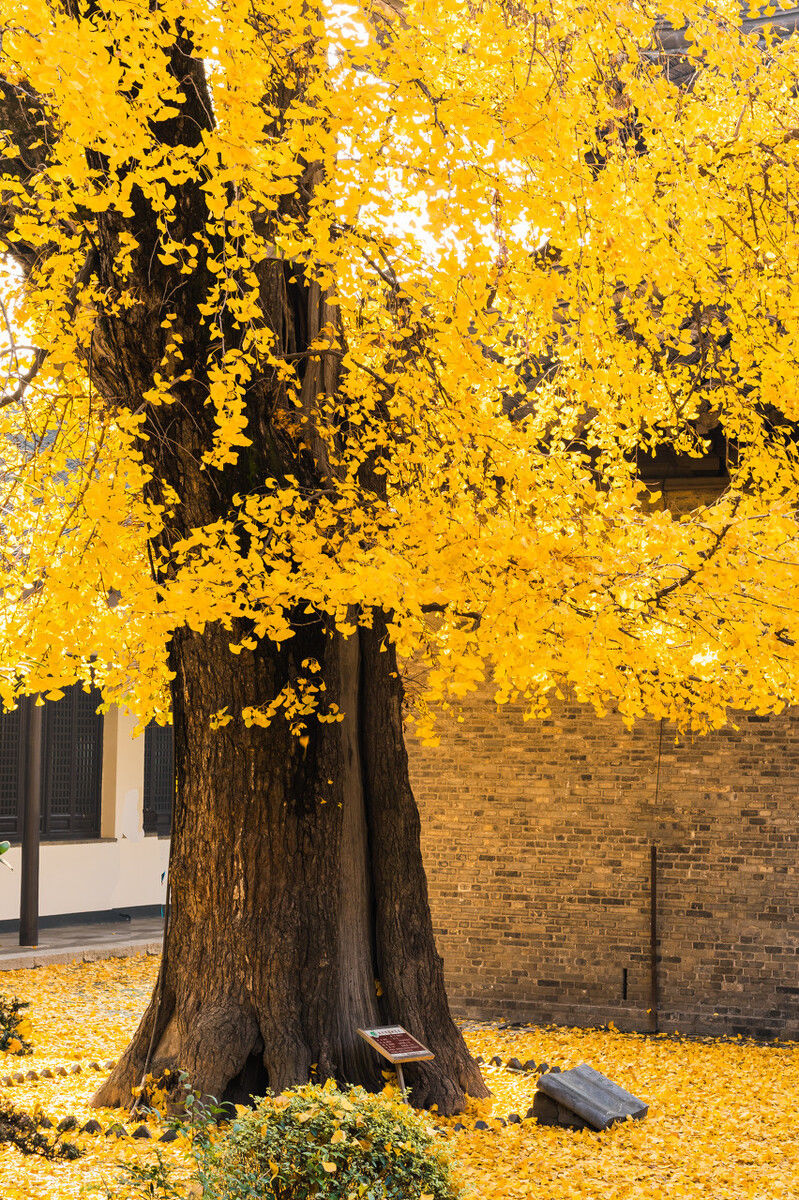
(70, 1123)
(530, 1068)
(118, 1129)
(18, 960)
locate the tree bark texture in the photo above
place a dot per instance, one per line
(296, 883)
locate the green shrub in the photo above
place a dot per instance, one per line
(14, 1027)
(320, 1142)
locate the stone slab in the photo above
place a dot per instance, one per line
(547, 1112)
(590, 1096)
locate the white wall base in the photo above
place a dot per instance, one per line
(79, 877)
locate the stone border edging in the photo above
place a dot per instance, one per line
(117, 1129)
(518, 1068)
(18, 1078)
(19, 960)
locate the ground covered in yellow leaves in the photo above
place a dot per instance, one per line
(723, 1120)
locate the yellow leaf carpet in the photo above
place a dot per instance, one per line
(723, 1120)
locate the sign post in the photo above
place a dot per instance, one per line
(398, 1046)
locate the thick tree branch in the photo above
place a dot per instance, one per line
(23, 124)
(24, 379)
(462, 614)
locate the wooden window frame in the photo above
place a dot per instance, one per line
(159, 779)
(77, 815)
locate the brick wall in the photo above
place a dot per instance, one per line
(537, 839)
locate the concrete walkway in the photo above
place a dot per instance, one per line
(83, 943)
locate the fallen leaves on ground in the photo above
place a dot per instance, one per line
(722, 1121)
(79, 1013)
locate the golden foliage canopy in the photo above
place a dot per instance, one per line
(540, 253)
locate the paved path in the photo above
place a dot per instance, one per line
(68, 943)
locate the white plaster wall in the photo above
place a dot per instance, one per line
(122, 813)
(76, 877)
(124, 869)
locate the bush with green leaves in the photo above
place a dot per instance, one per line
(322, 1142)
(14, 1026)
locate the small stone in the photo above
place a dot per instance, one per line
(170, 1135)
(514, 1064)
(514, 1119)
(94, 1065)
(92, 1126)
(554, 1070)
(480, 1125)
(44, 1122)
(500, 1121)
(33, 1076)
(528, 1116)
(18, 1077)
(457, 1127)
(141, 1132)
(75, 1069)
(47, 1073)
(67, 1150)
(67, 1123)
(496, 1061)
(530, 1064)
(8, 1081)
(542, 1068)
(109, 1066)
(62, 1071)
(478, 1058)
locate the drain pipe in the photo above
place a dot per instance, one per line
(654, 982)
(653, 936)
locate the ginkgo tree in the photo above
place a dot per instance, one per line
(333, 333)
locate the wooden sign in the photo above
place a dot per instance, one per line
(396, 1044)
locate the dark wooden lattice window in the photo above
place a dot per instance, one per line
(159, 778)
(11, 768)
(72, 766)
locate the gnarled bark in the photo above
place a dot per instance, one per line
(296, 883)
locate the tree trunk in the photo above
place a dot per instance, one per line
(296, 883)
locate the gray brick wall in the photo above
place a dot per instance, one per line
(537, 838)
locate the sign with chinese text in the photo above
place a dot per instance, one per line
(396, 1044)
